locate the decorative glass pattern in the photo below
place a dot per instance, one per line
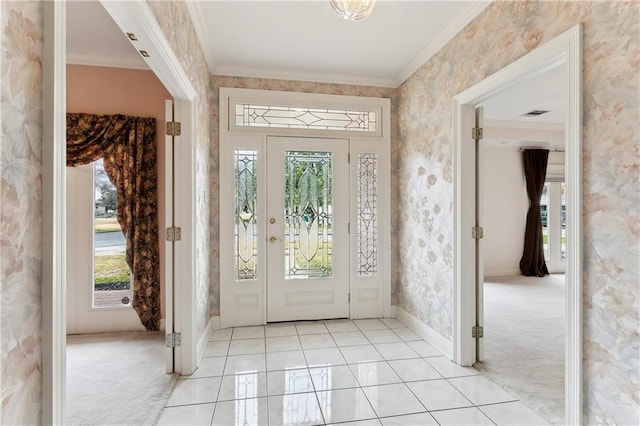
(308, 233)
(248, 115)
(246, 226)
(367, 222)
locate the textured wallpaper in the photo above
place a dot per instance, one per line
(175, 22)
(422, 222)
(268, 84)
(21, 213)
(424, 215)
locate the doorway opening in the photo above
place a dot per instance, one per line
(521, 314)
(105, 334)
(469, 317)
(135, 17)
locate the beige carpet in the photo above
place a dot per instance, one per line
(524, 340)
(116, 379)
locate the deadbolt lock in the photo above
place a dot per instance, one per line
(272, 220)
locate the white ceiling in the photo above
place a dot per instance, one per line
(94, 39)
(545, 91)
(298, 40)
(305, 40)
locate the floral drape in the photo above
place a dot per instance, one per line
(128, 146)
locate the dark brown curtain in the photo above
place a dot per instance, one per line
(532, 263)
(128, 146)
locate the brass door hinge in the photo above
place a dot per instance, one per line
(477, 332)
(477, 133)
(477, 232)
(174, 233)
(174, 128)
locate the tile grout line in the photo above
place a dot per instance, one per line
(469, 399)
(358, 381)
(315, 392)
(215, 407)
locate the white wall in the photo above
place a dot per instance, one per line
(505, 205)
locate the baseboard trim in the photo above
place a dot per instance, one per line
(215, 323)
(430, 335)
(212, 324)
(488, 273)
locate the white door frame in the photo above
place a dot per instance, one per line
(250, 299)
(137, 18)
(566, 48)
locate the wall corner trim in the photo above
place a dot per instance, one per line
(212, 324)
(429, 334)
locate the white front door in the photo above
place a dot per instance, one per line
(307, 229)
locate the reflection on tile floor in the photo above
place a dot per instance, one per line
(363, 372)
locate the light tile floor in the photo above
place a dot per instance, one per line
(362, 372)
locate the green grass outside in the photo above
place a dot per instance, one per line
(545, 239)
(111, 269)
(106, 224)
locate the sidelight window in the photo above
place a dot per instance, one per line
(246, 223)
(367, 219)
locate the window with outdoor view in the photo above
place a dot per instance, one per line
(367, 208)
(308, 214)
(246, 224)
(111, 274)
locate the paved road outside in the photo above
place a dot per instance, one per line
(111, 298)
(110, 243)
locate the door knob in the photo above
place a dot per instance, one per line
(272, 239)
(272, 220)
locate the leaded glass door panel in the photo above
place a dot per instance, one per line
(307, 229)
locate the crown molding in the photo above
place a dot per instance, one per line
(277, 74)
(457, 25)
(107, 61)
(200, 27)
(554, 127)
(524, 134)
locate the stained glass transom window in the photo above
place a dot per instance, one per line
(249, 115)
(246, 226)
(367, 222)
(308, 233)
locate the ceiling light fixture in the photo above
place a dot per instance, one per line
(353, 10)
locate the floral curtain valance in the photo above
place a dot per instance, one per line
(128, 146)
